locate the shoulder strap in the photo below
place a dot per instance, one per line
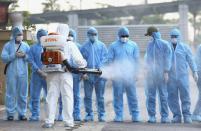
(5, 69)
(18, 47)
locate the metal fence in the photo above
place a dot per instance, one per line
(108, 34)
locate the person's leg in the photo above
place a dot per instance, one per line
(132, 100)
(100, 89)
(118, 100)
(22, 93)
(44, 86)
(53, 84)
(150, 92)
(163, 99)
(185, 99)
(197, 111)
(173, 100)
(60, 104)
(10, 97)
(35, 90)
(66, 85)
(88, 90)
(77, 99)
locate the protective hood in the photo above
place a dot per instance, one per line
(123, 31)
(92, 30)
(91, 34)
(63, 30)
(73, 33)
(176, 32)
(40, 33)
(156, 35)
(16, 30)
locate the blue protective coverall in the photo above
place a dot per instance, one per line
(95, 53)
(37, 81)
(126, 53)
(158, 62)
(16, 76)
(178, 84)
(197, 111)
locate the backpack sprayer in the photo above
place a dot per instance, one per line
(51, 57)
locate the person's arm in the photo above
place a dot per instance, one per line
(190, 60)
(110, 57)
(6, 56)
(136, 56)
(104, 53)
(77, 56)
(167, 57)
(198, 58)
(27, 52)
(31, 60)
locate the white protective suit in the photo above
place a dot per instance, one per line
(62, 82)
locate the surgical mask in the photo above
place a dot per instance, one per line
(124, 39)
(19, 38)
(174, 40)
(92, 38)
(70, 38)
(41, 38)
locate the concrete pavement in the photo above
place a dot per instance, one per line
(109, 125)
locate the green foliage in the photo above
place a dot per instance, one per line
(13, 6)
(26, 15)
(51, 5)
(153, 19)
(26, 23)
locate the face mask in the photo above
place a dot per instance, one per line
(124, 39)
(19, 38)
(70, 38)
(92, 38)
(40, 39)
(174, 40)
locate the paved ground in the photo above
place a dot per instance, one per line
(109, 125)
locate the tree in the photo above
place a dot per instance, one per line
(26, 21)
(13, 5)
(51, 5)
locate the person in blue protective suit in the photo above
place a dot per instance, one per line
(157, 65)
(125, 52)
(95, 53)
(76, 84)
(15, 55)
(196, 116)
(178, 83)
(37, 77)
